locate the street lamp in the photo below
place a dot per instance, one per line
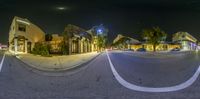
(99, 31)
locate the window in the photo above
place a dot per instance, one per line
(22, 27)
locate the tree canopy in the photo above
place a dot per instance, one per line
(48, 37)
(154, 36)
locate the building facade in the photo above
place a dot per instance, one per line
(134, 44)
(124, 42)
(198, 47)
(77, 40)
(187, 41)
(23, 35)
(161, 46)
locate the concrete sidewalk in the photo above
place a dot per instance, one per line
(56, 63)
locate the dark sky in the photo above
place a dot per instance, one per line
(127, 17)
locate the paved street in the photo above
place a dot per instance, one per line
(96, 80)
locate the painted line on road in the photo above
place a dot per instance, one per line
(1, 65)
(152, 89)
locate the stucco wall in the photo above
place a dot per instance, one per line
(33, 33)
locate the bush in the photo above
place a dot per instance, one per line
(64, 48)
(41, 49)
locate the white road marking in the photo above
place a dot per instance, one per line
(2, 62)
(152, 89)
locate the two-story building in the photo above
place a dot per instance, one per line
(23, 35)
(187, 41)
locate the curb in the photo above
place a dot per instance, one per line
(64, 72)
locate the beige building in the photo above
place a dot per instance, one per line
(136, 46)
(78, 41)
(23, 35)
(161, 47)
(187, 41)
(124, 42)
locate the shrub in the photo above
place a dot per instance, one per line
(41, 49)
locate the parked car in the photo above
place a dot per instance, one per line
(141, 50)
(129, 50)
(176, 49)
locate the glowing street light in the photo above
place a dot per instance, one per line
(100, 31)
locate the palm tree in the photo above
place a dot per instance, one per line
(154, 36)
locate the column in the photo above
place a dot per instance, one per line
(79, 46)
(86, 46)
(82, 47)
(129, 46)
(26, 47)
(15, 45)
(10, 46)
(70, 46)
(92, 47)
(89, 45)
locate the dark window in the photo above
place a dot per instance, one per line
(22, 27)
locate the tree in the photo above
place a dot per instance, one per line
(48, 37)
(41, 49)
(100, 32)
(64, 48)
(101, 42)
(154, 36)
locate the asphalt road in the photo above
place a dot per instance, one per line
(97, 81)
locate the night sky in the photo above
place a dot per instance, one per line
(126, 17)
